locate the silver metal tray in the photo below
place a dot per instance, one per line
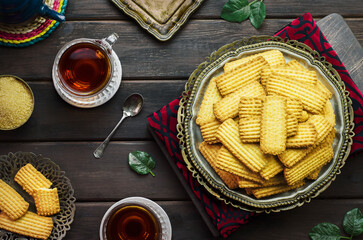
(190, 135)
(161, 18)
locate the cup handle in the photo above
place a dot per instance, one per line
(111, 39)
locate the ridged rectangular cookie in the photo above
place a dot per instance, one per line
(210, 153)
(292, 156)
(249, 129)
(31, 179)
(211, 96)
(228, 106)
(273, 125)
(227, 162)
(305, 137)
(312, 98)
(249, 154)
(233, 80)
(272, 168)
(305, 76)
(313, 161)
(209, 131)
(250, 106)
(11, 202)
(273, 58)
(272, 190)
(322, 126)
(31, 225)
(46, 201)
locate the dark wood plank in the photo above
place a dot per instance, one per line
(146, 57)
(76, 10)
(109, 178)
(54, 119)
(186, 223)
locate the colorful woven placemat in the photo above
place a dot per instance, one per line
(35, 31)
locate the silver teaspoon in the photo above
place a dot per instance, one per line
(132, 106)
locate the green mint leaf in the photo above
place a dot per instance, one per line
(236, 10)
(141, 162)
(258, 14)
(325, 231)
(353, 222)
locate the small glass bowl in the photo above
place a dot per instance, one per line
(32, 97)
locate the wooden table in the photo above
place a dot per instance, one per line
(159, 70)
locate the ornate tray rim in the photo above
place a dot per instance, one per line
(59, 231)
(184, 117)
(155, 30)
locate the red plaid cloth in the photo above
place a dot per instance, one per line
(225, 217)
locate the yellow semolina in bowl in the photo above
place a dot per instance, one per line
(16, 102)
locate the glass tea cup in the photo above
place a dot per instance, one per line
(87, 72)
(135, 218)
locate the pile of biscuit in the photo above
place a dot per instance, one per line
(267, 125)
(15, 216)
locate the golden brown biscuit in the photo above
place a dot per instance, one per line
(11, 202)
(272, 168)
(322, 126)
(305, 76)
(46, 201)
(211, 96)
(209, 131)
(249, 154)
(305, 137)
(272, 190)
(291, 125)
(291, 156)
(294, 107)
(31, 179)
(273, 58)
(245, 183)
(294, 64)
(324, 89)
(231, 81)
(328, 113)
(31, 225)
(274, 181)
(311, 97)
(250, 106)
(228, 106)
(265, 74)
(273, 125)
(249, 129)
(313, 161)
(314, 175)
(227, 162)
(210, 153)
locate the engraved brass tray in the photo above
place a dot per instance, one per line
(190, 136)
(161, 18)
(10, 165)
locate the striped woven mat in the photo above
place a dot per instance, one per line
(37, 30)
